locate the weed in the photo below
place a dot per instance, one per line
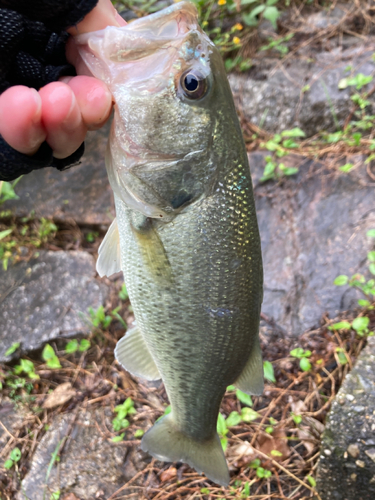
(14, 457)
(49, 356)
(7, 191)
(99, 318)
(73, 346)
(120, 422)
(278, 44)
(268, 371)
(302, 355)
(260, 471)
(12, 349)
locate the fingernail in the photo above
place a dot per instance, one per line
(73, 118)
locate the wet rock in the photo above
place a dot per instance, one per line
(270, 95)
(91, 466)
(81, 193)
(41, 300)
(348, 474)
(12, 416)
(313, 228)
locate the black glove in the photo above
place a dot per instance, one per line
(32, 53)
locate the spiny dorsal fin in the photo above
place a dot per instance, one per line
(109, 259)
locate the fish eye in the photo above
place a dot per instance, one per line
(193, 84)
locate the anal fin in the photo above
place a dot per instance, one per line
(109, 259)
(251, 379)
(133, 354)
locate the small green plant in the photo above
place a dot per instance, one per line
(123, 293)
(91, 236)
(297, 419)
(46, 228)
(26, 366)
(139, 433)
(278, 44)
(120, 422)
(49, 356)
(268, 371)
(302, 355)
(244, 398)
(7, 190)
(14, 457)
(12, 349)
(98, 317)
(73, 346)
(55, 495)
(260, 471)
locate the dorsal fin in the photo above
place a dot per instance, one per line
(109, 258)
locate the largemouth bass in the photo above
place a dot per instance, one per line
(186, 234)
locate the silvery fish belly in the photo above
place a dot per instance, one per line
(186, 234)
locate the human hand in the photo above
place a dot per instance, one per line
(61, 112)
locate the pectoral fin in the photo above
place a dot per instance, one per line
(133, 354)
(251, 378)
(153, 252)
(109, 259)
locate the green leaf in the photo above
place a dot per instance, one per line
(15, 455)
(372, 268)
(12, 349)
(55, 495)
(361, 323)
(205, 491)
(294, 132)
(84, 345)
(297, 353)
(233, 419)
(246, 490)
(261, 472)
(224, 443)
(248, 414)
(254, 464)
(48, 352)
(272, 14)
(312, 481)
(4, 234)
(371, 256)
(221, 425)
(8, 464)
(244, 398)
(268, 371)
(119, 438)
(276, 453)
(347, 167)
(341, 280)
(138, 433)
(269, 429)
(231, 388)
(363, 303)
(305, 364)
(53, 362)
(371, 233)
(71, 346)
(341, 325)
(297, 419)
(290, 144)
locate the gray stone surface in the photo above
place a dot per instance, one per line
(313, 228)
(81, 193)
(91, 466)
(270, 94)
(12, 417)
(40, 300)
(347, 461)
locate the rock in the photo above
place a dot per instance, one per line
(41, 300)
(349, 475)
(324, 19)
(81, 193)
(270, 95)
(313, 228)
(91, 466)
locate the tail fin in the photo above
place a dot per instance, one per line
(165, 442)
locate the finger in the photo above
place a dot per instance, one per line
(103, 15)
(20, 119)
(93, 98)
(62, 119)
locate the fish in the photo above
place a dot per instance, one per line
(185, 235)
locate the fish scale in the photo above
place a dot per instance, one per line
(185, 233)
